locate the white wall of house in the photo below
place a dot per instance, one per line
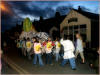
(81, 20)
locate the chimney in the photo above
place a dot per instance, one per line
(41, 18)
(79, 8)
(57, 14)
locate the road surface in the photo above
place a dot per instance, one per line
(21, 65)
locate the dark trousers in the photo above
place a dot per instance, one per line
(48, 58)
(19, 51)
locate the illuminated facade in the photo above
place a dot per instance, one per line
(85, 23)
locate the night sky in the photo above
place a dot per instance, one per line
(13, 12)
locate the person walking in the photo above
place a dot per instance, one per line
(68, 53)
(37, 51)
(57, 50)
(29, 47)
(24, 47)
(49, 47)
(19, 47)
(79, 47)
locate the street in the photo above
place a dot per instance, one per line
(21, 65)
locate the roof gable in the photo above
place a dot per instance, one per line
(88, 14)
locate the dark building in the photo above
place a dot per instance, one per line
(51, 25)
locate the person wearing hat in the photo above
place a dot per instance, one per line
(28, 47)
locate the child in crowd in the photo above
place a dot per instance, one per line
(44, 46)
(57, 50)
(32, 41)
(24, 47)
(19, 46)
(28, 47)
(49, 47)
(37, 51)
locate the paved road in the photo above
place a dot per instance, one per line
(7, 69)
(25, 66)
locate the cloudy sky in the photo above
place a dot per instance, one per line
(14, 11)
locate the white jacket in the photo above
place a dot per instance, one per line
(68, 49)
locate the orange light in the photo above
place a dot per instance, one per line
(5, 7)
(2, 7)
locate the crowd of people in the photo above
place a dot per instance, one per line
(62, 48)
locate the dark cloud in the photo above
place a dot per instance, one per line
(85, 8)
(45, 3)
(63, 9)
(49, 12)
(23, 8)
(35, 9)
(8, 21)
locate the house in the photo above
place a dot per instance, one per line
(50, 26)
(85, 23)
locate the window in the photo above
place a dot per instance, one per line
(76, 27)
(72, 20)
(65, 28)
(83, 26)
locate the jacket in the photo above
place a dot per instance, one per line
(68, 49)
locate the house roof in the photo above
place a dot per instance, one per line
(54, 18)
(88, 14)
